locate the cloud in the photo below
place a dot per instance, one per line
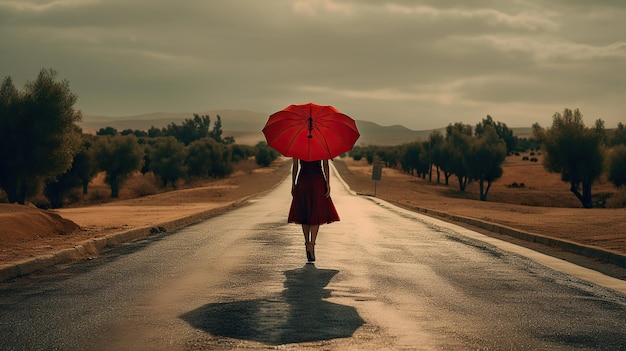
(439, 93)
(320, 7)
(437, 60)
(33, 6)
(523, 20)
(546, 49)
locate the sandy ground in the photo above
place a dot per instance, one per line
(26, 231)
(598, 227)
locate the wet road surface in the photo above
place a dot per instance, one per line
(385, 279)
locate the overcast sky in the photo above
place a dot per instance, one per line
(422, 64)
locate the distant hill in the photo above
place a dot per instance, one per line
(235, 120)
(523, 132)
(375, 134)
(245, 126)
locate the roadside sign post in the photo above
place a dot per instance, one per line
(377, 173)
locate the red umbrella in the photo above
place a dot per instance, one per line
(311, 132)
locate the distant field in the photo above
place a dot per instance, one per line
(542, 188)
(522, 183)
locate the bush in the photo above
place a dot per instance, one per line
(97, 196)
(40, 201)
(617, 200)
(264, 155)
(147, 185)
(119, 157)
(241, 152)
(208, 158)
(74, 196)
(167, 160)
(617, 166)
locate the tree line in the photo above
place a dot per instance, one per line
(579, 153)
(43, 151)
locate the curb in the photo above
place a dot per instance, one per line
(92, 247)
(603, 255)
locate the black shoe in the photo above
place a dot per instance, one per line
(309, 257)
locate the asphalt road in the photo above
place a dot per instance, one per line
(386, 279)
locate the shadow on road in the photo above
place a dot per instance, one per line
(298, 314)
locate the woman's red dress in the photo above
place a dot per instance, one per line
(309, 205)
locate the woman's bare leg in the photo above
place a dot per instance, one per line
(314, 229)
(306, 230)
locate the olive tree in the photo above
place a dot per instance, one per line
(57, 190)
(264, 155)
(119, 156)
(208, 158)
(410, 157)
(38, 134)
(190, 129)
(199, 157)
(241, 152)
(501, 130)
(444, 160)
(574, 151)
(459, 140)
(618, 135)
(167, 160)
(617, 166)
(85, 163)
(81, 172)
(487, 152)
(435, 154)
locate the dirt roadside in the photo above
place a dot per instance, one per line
(32, 238)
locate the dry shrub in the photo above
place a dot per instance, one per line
(617, 200)
(144, 189)
(136, 185)
(98, 195)
(40, 201)
(74, 195)
(247, 165)
(142, 185)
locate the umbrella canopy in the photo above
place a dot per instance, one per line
(310, 132)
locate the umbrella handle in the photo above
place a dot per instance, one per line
(310, 127)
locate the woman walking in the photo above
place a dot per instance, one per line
(311, 205)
